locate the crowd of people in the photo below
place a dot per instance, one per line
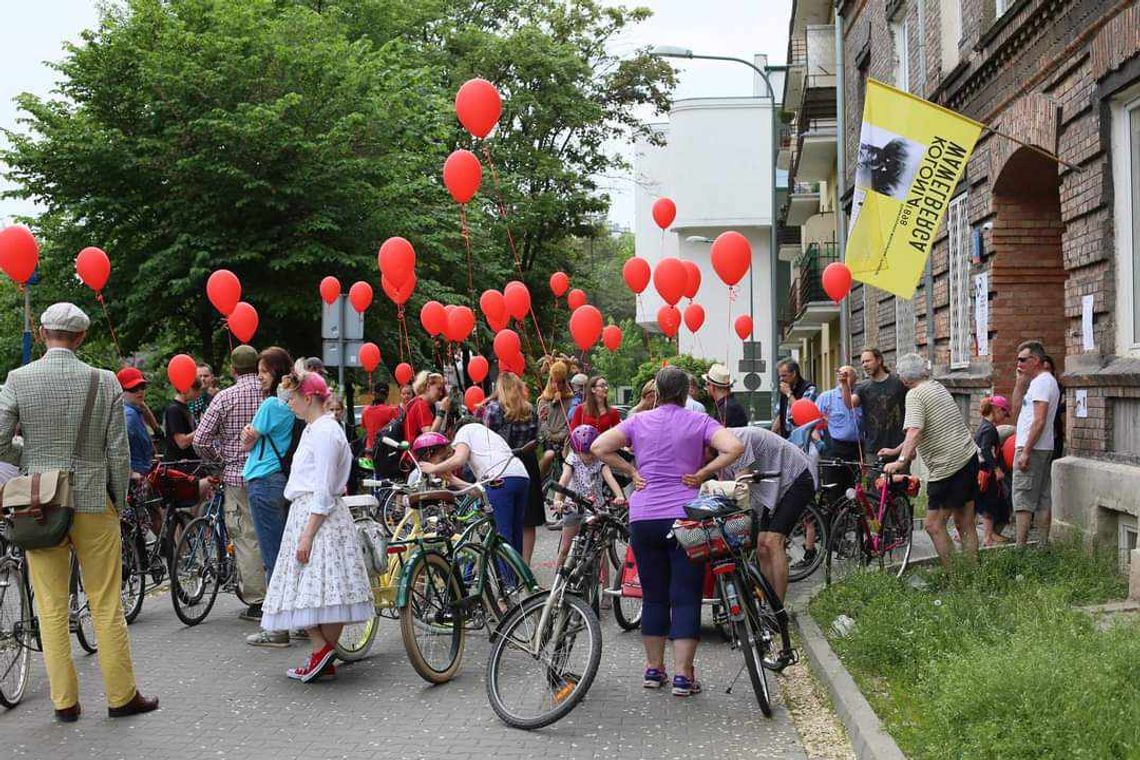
(287, 458)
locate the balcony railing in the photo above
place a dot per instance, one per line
(807, 287)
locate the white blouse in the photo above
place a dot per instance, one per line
(321, 465)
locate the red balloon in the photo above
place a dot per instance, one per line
(731, 256)
(494, 308)
(477, 368)
(635, 272)
(559, 282)
(669, 279)
(404, 373)
(694, 317)
(664, 212)
(515, 364)
(518, 299)
(576, 298)
(462, 174)
(242, 321)
(473, 397)
(478, 106)
(506, 344)
(804, 411)
(182, 371)
(460, 323)
(692, 279)
(360, 296)
(19, 252)
(433, 317)
(743, 326)
(1008, 449)
(93, 267)
(836, 280)
(397, 261)
(586, 326)
(369, 357)
(330, 289)
(611, 337)
(669, 320)
(224, 291)
(399, 295)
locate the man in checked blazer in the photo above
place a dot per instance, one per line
(46, 399)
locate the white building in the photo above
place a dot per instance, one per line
(716, 165)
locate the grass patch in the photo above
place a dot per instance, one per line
(993, 660)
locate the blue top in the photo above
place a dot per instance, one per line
(274, 420)
(842, 423)
(574, 402)
(142, 447)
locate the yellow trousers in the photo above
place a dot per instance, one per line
(98, 545)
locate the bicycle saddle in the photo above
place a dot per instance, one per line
(710, 505)
(437, 495)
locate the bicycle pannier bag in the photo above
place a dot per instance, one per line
(630, 580)
(373, 545)
(41, 506)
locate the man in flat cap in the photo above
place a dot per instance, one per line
(46, 400)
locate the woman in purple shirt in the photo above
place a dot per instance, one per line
(669, 445)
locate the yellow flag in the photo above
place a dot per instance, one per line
(911, 155)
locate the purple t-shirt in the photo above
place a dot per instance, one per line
(668, 442)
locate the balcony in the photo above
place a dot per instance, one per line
(809, 307)
(796, 72)
(803, 203)
(787, 147)
(818, 99)
(790, 243)
(816, 150)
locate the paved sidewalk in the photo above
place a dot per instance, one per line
(224, 699)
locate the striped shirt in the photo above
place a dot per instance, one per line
(946, 444)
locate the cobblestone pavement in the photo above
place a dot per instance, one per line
(224, 699)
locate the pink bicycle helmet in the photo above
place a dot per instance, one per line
(426, 443)
(582, 437)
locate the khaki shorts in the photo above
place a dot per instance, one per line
(1033, 488)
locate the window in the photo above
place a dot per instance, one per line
(950, 32)
(1126, 181)
(900, 32)
(904, 326)
(958, 227)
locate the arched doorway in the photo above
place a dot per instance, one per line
(1028, 273)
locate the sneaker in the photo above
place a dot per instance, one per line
(300, 633)
(654, 678)
(319, 661)
(778, 662)
(297, 674)
(556, 525)
(808, 558)
(253, 613)
(683, 687)
(278, 639)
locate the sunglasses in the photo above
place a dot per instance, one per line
(1023, 359)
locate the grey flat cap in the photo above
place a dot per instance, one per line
(66, 317)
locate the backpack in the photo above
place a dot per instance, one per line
(385, 459)
(286, 461)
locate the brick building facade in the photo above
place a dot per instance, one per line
(1062, 75)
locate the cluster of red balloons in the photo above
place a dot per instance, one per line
(508, 350)
(224, 291)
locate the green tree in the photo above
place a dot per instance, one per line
(691, 364)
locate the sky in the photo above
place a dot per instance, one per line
(738, 28)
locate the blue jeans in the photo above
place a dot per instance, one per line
(269, 510)
(671, 585)
(509, 504)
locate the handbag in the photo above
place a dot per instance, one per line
(41, 506)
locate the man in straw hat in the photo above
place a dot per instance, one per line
(45, 399)
(719, 385)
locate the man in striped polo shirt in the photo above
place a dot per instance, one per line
(935, 429)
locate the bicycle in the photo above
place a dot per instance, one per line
(862, 531)
(544, 630)
(724, 536)
(800, 564)
(203, 564)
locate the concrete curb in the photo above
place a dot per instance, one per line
(868, 737)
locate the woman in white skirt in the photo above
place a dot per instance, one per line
(319, 582)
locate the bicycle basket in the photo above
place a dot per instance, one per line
(703, 540)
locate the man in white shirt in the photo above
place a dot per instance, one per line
(1035, 397)
(691, 402)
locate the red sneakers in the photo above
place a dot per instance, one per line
(320, 665)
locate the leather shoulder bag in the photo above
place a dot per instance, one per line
(39, 507)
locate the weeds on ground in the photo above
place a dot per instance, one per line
(993, 660)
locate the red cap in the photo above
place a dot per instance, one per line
(130, 378)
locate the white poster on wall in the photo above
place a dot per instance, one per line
(982, 312)
(1082, 404)
(1087, 343)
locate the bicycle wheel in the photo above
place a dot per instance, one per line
(391, 512)
(505, 582)
(134, 578)
(356, 640)
(79, 609)
(847, 549)
(15, 619)
(751, 636)
(898, 535)
(800, 564)
(536, 677)
(163, 557)
(196, 571)
(431, 620)
(627, 609)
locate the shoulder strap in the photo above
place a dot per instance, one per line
(88, 405)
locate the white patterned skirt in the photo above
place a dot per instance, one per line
(332, 587)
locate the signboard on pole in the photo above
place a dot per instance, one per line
(332, 355)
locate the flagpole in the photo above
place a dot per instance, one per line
(1034, 148)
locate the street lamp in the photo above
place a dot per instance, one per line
(675, 51)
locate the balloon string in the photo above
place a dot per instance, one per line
(466, 233)
(110, 324)
(435, 352)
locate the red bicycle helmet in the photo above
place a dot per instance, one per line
(426, 444)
